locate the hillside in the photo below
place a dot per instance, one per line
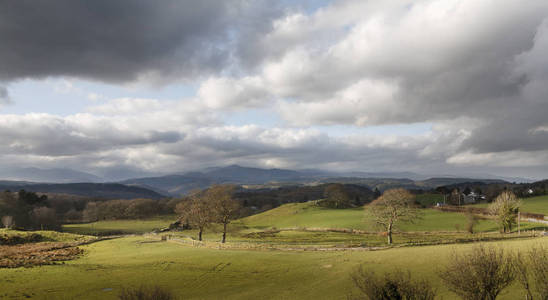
(97, 190)
(57, 175)
(309, 215)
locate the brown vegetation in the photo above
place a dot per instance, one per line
(146, 293)
(35, 254)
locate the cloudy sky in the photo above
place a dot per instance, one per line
(142, 87)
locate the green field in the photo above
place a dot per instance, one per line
(309, 215)
(537, 204)
(260, 261)
(202, 273)
(297, 224)
(116, 227)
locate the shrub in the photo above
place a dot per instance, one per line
(397, 285)
(532, 272)
(146, 293)
(480, 274)
(471, 221)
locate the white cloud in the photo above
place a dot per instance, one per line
(476, 70)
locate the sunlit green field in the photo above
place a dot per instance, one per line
(297, 222)
(202, 273)
(278, 264)
(537, 204)
(310, 215)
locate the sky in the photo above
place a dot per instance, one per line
(443, 87)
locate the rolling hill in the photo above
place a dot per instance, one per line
(99, 190)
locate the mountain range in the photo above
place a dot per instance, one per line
(81, 183)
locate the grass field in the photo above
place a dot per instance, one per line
(309, 215)
(537, 204)
(441, 227)
(201, 273)
(120, 226)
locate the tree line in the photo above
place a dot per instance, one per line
(27, 210)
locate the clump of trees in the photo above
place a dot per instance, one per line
(505, 208)
(121, 209)
(27, 210)
(214, 205)
(391, 208)
(336, 196)
(397, 285)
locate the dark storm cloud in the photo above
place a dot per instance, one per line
(118, 41)
(4, 95)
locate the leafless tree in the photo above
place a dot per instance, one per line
(397, 285)
(44, 217)
(393, 206)
(197, 211)
(7, 221)
(505, 209)
(91, 212)
(480, 274)
(532, 272)
(225, 207)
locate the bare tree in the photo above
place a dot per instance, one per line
(480, 274)
(505, 209)
(471, 220)
(393, 206)
(91, 212)
(44, 218)
(225, 208)
(522, 273)
(532, 272)
(7, 221)
(397, 285)
(196, 210)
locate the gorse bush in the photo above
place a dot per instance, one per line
(391, 286)
(146, 293)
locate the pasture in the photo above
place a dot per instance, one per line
(537, 204)
(204, 273)
(283, 253)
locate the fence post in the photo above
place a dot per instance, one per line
(519, 217)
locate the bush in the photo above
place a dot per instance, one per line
(146, 293)
(480, 274)
(397, 285)
(532, 272)
(471, 221)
